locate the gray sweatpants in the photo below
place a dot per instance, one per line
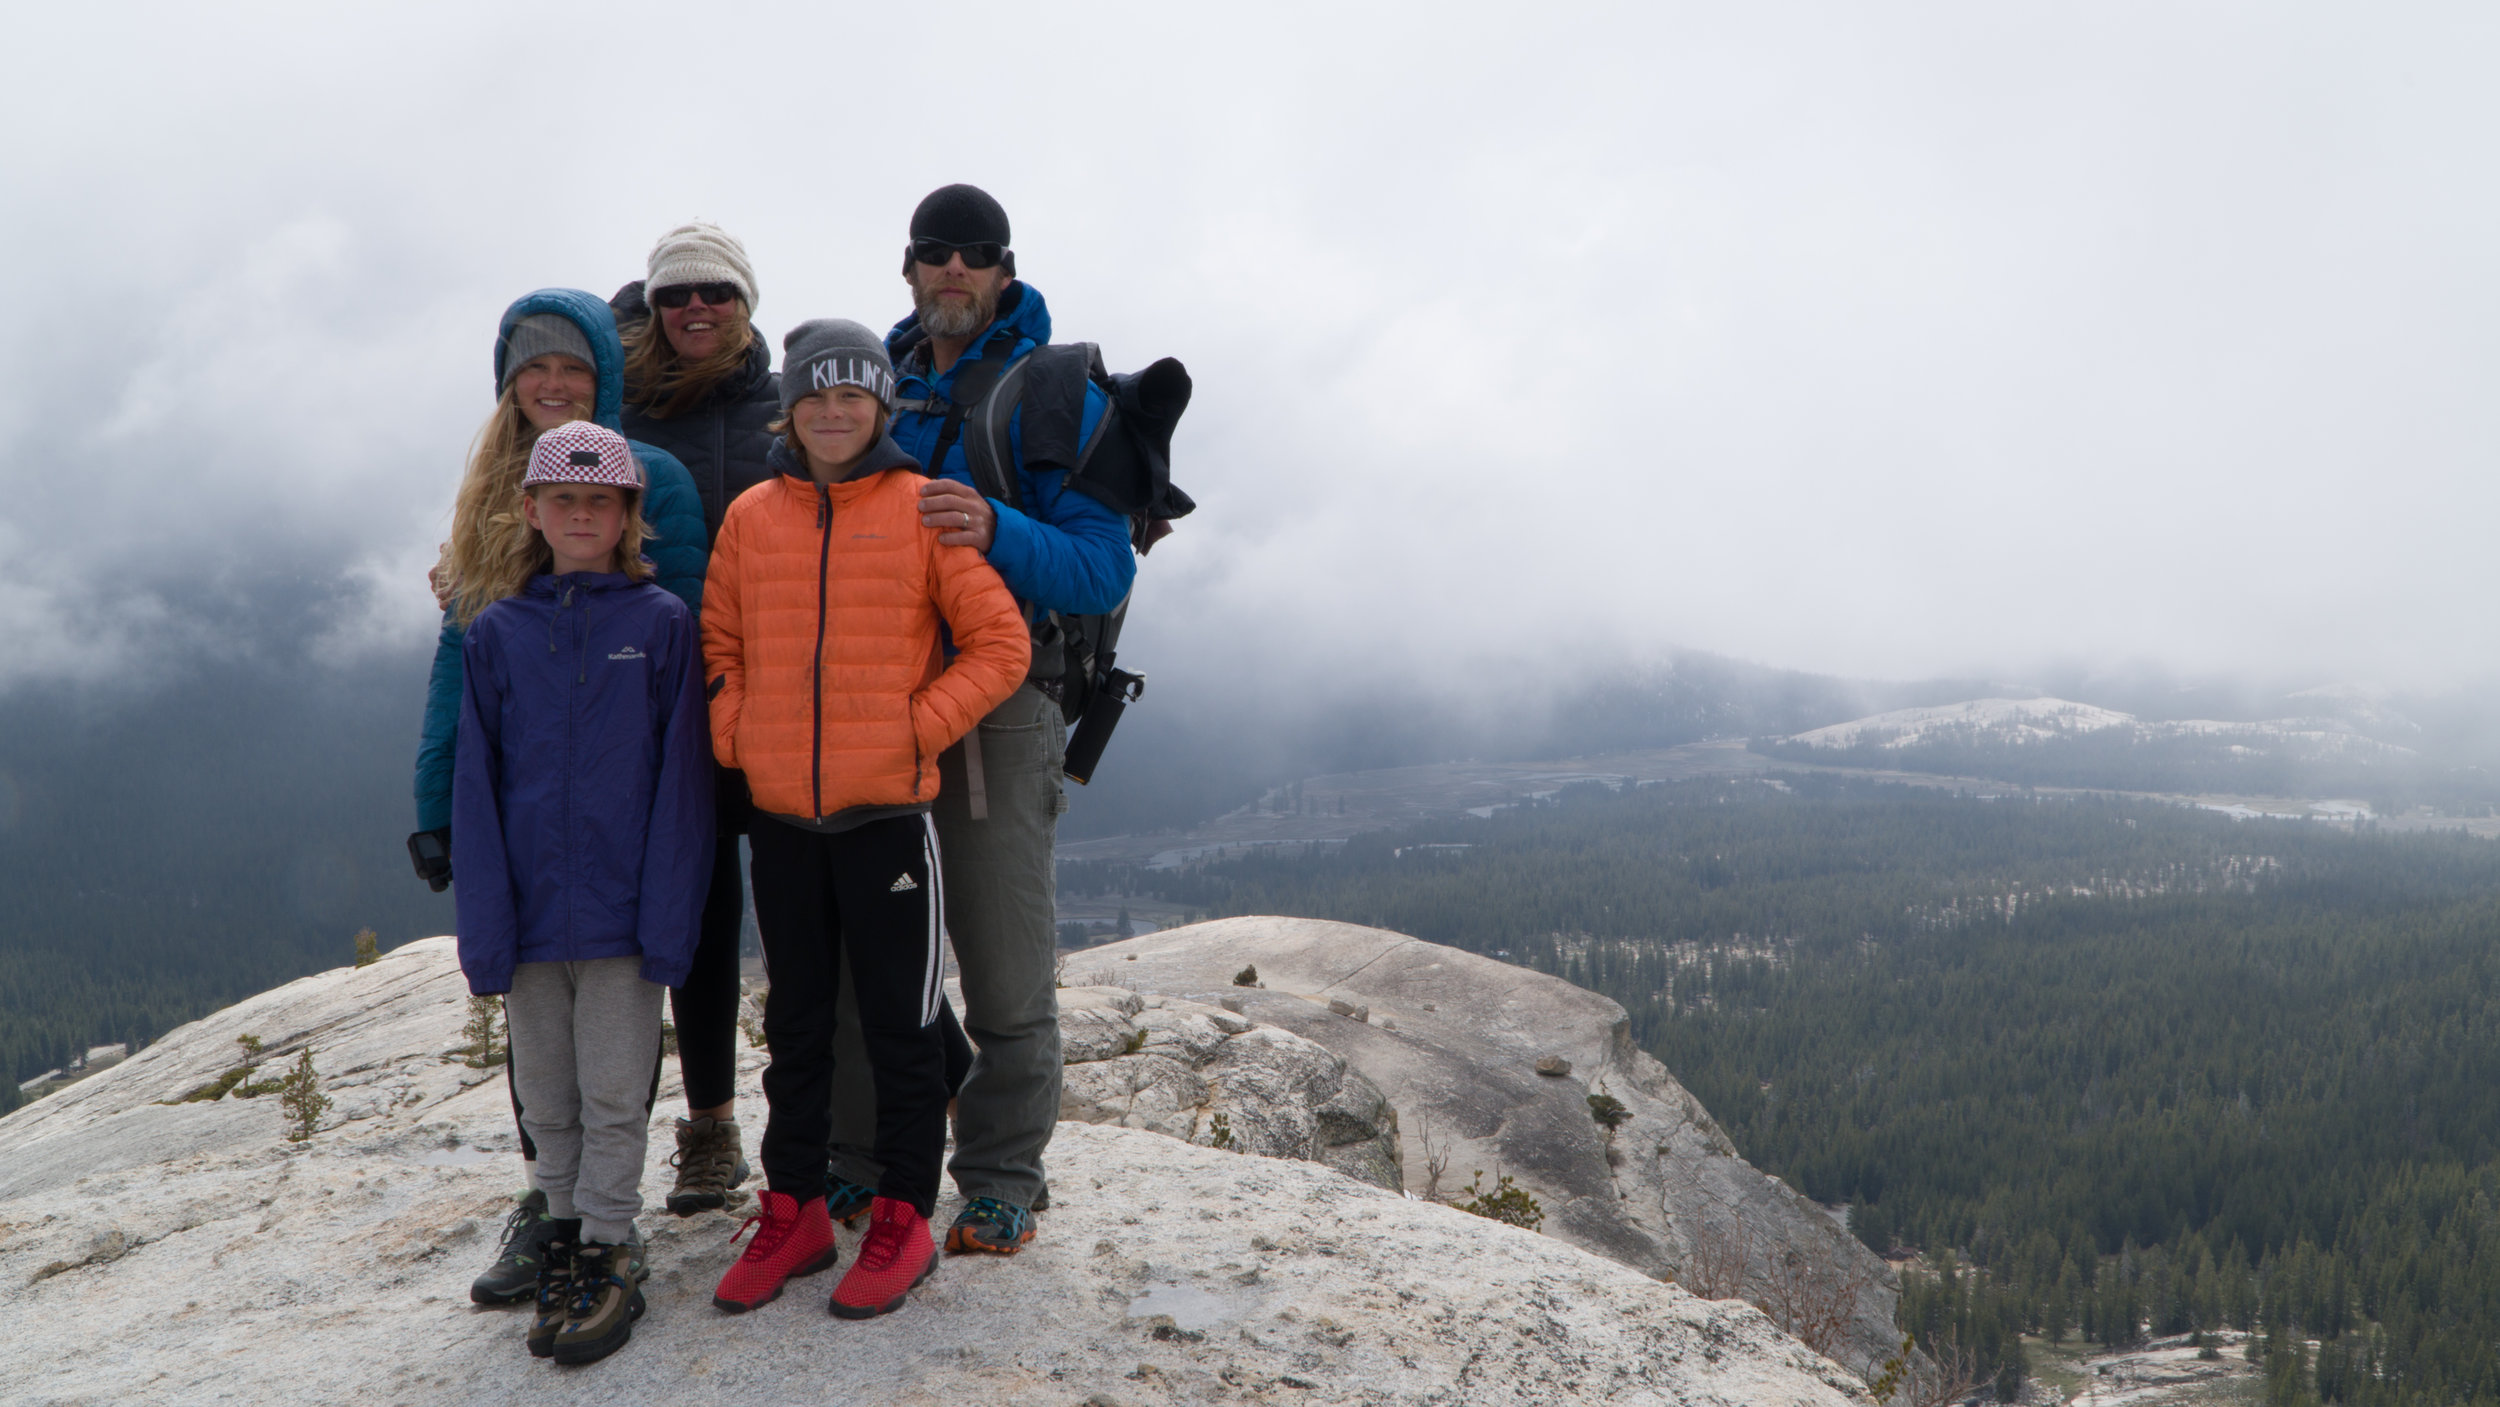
(1001, 892)
(585, 1040)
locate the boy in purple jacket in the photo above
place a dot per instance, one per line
(582, 835)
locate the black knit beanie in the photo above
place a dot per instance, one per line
(960, 214)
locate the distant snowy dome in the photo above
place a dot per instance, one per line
(2013, 720)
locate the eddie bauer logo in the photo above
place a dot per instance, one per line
(629, 653)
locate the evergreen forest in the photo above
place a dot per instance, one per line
(161, 861)
(2116, 1069)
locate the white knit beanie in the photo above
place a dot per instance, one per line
(700, 252)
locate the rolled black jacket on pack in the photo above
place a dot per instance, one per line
(722, 442)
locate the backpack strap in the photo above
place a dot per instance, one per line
(975, 384)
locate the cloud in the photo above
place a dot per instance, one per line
(1881, 341)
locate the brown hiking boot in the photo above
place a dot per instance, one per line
(555, 1287)
(709, 1162)
(607, 1299)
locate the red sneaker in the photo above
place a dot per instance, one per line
(897, 1255)
(796, 1239)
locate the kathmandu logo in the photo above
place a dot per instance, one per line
(629, 653)
(903, 884)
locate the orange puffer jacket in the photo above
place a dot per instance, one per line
(821, 614)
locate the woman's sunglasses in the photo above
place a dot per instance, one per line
(934, 252)
(677, 295)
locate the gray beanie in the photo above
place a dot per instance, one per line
(700, 252)
(827, 352)
(536, 336)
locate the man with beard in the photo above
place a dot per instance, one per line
(1000, 791)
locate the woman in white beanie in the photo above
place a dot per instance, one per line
(699, 384)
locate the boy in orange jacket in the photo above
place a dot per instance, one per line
(825, 618)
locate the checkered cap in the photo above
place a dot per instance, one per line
(579, 452)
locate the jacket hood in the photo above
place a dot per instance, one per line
(1020, 309)
(598, 325)
(628, 308)
(883, 455)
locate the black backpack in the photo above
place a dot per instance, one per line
(1126, 465)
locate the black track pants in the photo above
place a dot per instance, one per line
(706, 1008)
(870, 895)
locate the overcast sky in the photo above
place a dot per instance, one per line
(1887, 340)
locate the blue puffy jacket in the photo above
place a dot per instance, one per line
(679, 548)
(582, 801)
(1063, 551)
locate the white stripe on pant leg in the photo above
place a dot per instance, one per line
(930, 987)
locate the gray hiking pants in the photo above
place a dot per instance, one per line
(585, 1041)
(1001, 893)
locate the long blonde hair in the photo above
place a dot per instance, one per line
(662, 384)
(493, 553)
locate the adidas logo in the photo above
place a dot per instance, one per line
(903, 884)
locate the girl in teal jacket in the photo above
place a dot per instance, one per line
(557, 359)
(533, 326)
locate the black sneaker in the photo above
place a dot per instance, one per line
(514, 1275)
(709, 1162)
(555, 1288)
(847, 1202)
(607, 1299)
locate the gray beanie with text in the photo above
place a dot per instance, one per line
(823, 353)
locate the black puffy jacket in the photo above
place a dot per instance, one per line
(723, 441)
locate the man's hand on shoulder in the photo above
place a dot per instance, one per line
(963, 518)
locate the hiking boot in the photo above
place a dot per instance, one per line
(709, 1162)
(555, 1287)
(607, 1299)
(795, 1239)
(515, 1271)
(847, 1202)
(897, 1255)
(988, 1224)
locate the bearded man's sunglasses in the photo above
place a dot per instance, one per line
(934, 252)
(677, 295)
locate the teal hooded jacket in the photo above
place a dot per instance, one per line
(678, 548)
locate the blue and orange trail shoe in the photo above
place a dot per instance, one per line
(988, 1224)
(847, 1202)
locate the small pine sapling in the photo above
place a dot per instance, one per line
(1609, 1112)
(1507, 1202)
(368, 947)
(1220, 1132)
(1247, 977)
(302, 1096)
(479, 1033)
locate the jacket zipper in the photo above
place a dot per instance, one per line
(572, 747)
(720, 458)
(824, 562)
